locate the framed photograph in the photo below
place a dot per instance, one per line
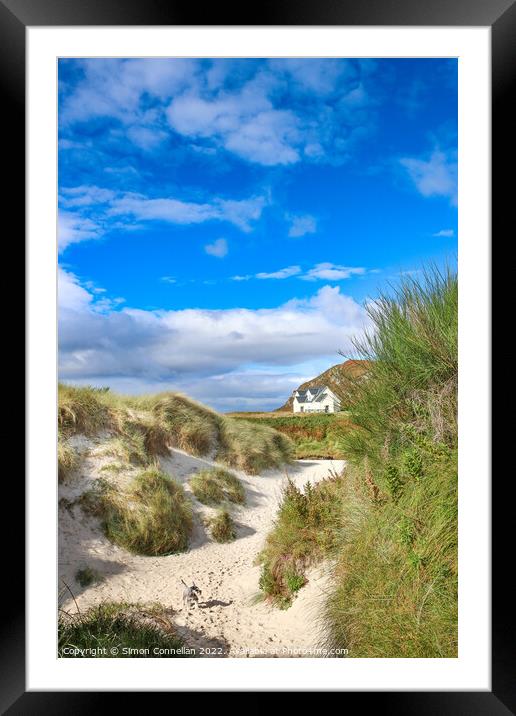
(258, 366)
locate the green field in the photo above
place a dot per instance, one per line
(313, 435)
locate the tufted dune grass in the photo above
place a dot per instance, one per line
(137, 429)
(153, 517)
(215, 485)
(120, 630)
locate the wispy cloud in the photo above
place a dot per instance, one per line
(448, 233)
(287, 272)
(435, 175)
(332, 272)
(73, 228)
(218, 248)
(89, 212)
(301, 224)
(320, 272)
(241, 213)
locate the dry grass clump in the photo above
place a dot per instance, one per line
(215, 485)
(191, 426)
(252, 448)
(82, 410)
(154, 517)
(222, 527)
(67, 459)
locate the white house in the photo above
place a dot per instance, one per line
(317, 399)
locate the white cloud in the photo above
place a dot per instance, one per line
(245, 123)
(331, 272)
(84, 195)
(192, 349)
(301, 224)
(218, 248)
(114, 88)
(175, 211)
(73, 228)
(448, 233)
(319, 272)
(435, 176)
(168, 279)
(89, 212)
(318, 77)
(282, 273)
(232, 104)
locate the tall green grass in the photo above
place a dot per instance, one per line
(395, 592)
(390, 522)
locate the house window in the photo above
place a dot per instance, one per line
(326, 408)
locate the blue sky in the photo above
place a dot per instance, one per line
(222, 223)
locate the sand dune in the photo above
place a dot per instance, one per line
(229, 621)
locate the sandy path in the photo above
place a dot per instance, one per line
(228, 619)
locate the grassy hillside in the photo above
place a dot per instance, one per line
(392, 517)
(313, 435)
(340, 378)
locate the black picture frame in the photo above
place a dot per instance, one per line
(500, 16)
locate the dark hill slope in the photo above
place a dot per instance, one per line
(338, 378)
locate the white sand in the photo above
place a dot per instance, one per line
(228, 619)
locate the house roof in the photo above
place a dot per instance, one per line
(318, 392)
